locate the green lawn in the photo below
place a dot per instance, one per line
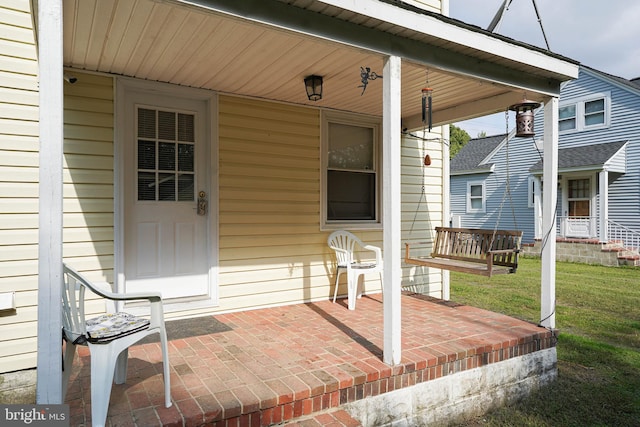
(598, 317)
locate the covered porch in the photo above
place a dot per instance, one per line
(313, 364)
(261, 51)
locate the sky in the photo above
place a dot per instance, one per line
(604, 35)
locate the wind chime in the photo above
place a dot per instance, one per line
(427, 117)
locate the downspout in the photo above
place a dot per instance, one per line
(50, 62)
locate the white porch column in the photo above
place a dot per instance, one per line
(392, 276)
(49, 386)
(550, 197)
(603, 178)
(537, 207)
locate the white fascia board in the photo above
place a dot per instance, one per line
(474, 171)
(431, 26)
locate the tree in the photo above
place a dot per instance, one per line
(457, 139)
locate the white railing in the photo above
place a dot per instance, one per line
(629, 238)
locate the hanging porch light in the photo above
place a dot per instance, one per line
(313, 85)
(524, 117)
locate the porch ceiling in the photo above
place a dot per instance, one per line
(208, 45)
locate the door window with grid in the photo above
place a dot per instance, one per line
(579, 197)
(165, 155)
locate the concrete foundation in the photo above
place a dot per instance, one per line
(455, 397)
(18, 387)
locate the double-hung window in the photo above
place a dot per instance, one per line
(475, 197)
(351, 168)
(585, 113)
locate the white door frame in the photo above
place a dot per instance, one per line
(123, 85)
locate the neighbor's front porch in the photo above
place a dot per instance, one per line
(275, 365)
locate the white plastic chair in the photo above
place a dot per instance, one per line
(345, 244)
(108, 337)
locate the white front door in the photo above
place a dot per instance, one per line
(165, 196)
(579, 221)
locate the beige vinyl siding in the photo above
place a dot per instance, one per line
(88, 188)
(18, 184)
(422, 209)
(271, 247)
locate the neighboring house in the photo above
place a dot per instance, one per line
(598, 167)
(195, 163)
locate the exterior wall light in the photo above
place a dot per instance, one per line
(313, 85)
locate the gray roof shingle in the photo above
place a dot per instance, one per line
(586, 155)
(474, 152)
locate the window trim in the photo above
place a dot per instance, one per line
(531, 188)
(580, 117)
(470, 209)
(351, 119)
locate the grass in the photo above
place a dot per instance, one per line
(598, 317)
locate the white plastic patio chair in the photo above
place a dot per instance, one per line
(345, 244)
(109, 337)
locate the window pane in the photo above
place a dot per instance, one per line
(185, 187)
(167, 125)
(594, 119)
(594, 106)
(166, 156)
(185, 157)
(567, 124)
(146, 186)
(476, 203)
(146, 123)
(567, 112)
(146, 155)
(579, 188)
(579, 208)
(166, 186)
(186, 128)
(350, 147)
(350, 195)
(476, 191)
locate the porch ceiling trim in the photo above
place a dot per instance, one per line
(544, 79)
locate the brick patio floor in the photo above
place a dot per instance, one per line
(296, 365)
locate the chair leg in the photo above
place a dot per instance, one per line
(381, 283)
(352, 288)
(165, 366)
(102, 370)
(120, 375)
(335, 291)
(69, 355)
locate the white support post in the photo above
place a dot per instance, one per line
(446, 202)
(604, 206)
(537, 207)
(391, 144)
(50, 62)
(550, 197)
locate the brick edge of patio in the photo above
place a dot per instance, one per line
(316, 396)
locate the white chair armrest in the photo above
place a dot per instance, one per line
(377, 251)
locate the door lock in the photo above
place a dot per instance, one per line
(202, 203)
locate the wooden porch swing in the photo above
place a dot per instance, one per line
(477, 251)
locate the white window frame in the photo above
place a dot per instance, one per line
(581, 113)
(351, 119)
(470, 208)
